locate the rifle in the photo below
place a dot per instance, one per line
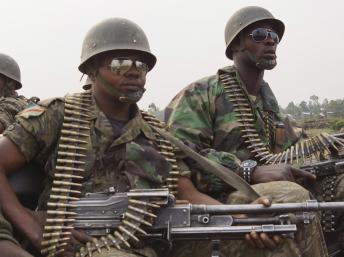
(99, 214)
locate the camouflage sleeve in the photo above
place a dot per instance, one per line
(6, 230)
(190, 117)
(190, 114)
(9, 107)
(36, 129)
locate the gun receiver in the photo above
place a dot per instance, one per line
(100, 213)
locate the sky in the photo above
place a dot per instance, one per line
(187, 36)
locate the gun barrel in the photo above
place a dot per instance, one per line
(231, 232)
(308, 206)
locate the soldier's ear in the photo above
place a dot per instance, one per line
(235, 45)
(10, 89)
(92, 68)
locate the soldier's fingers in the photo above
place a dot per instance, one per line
(65, 253)
(256, 239)
(249, 240)
(81, 236)
(267, 241)
(266, 200)
(302, 173)
(277, 239)
(69, 248)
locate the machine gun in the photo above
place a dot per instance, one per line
(325, 168)
(155, 214)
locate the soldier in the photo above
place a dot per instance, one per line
(8, 245)
(10, 102)
(228, 117)
(90, 142)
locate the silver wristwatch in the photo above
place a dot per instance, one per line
(246, 169)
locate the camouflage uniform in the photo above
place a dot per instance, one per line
(9, 107)
(122, 155)
(203, 118)
(6, 230)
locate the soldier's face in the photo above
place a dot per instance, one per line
(262, 52)
(2, 84)
(126, 81)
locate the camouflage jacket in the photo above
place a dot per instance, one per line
(9, 107)
(203, 118)
(122, 155)
(5, 230)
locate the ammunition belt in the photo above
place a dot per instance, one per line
(237, 96)
(315, 147)
(167, 150)
(69, 172)
(269, 128)
(328, 217)
(304, 151)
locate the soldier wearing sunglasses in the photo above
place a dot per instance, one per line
(227, 117)
(89, 142)
(94, 141)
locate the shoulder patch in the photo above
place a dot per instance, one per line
(33, 110)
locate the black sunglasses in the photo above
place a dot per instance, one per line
(261, 34)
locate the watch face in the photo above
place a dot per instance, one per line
(248, 164)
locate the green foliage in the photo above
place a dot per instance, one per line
(338, 125)
(155, 110)
(313, 109)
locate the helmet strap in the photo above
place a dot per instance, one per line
(130, 98)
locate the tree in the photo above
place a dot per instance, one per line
(155, 110)
(304, 107)
(152, 108)
(292, 109)
(314, 105)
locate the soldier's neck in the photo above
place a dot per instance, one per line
(252, 78)
(112, 107)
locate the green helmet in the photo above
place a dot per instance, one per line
(10, 68)
(115, 34)
(245, 17)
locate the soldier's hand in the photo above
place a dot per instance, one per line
(263, 240)
(279, 172)
(35, 235)
(77, 240)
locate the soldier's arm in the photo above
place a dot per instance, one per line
(191, 117)
(11, 159)
(30, 137)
